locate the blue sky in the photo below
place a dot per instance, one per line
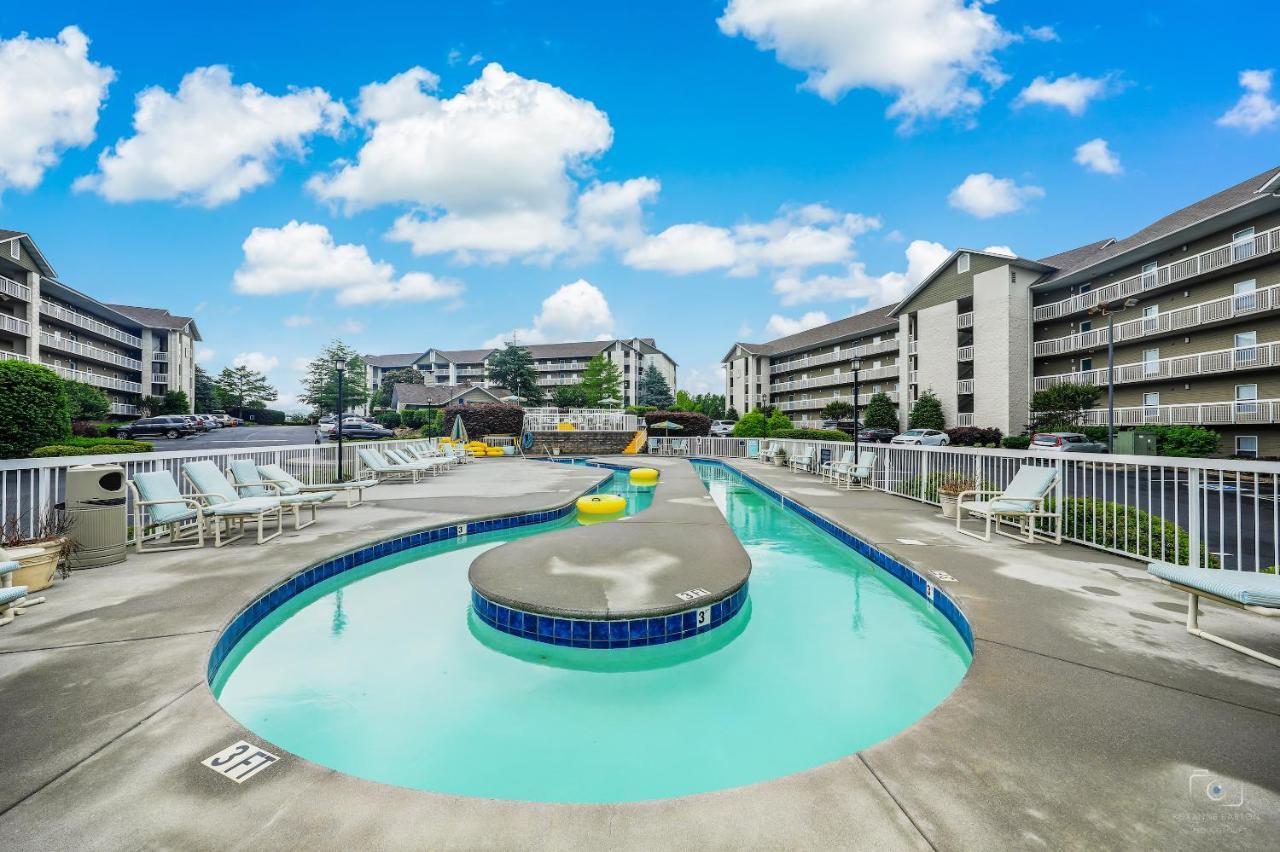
(430, 174)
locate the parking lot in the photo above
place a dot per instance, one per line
(239, 436)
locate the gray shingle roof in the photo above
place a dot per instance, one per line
(410, 394)
(466, 356)
(6, 234)
(832, 332)
(391, 361)
(581, 349)
(152, 317)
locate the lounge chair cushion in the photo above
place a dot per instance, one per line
(10, 565)
(290, 484)
(246, 474)
(1243, 587)
(209, 480)
(159, 485)
(11, 594)
(245, 506)
(307, 498)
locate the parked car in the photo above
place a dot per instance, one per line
(349, 423)
(922, 437)
(210, 421)
(877, 436)
(1065, 442)
(361, 429)
(165, 426)
(722, 428)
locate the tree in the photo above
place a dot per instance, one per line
(837, 410)
(752, 425)
(684, 402)
(175, 402)
(85, 402)
(512, 368)
(33, 410)
(927, 413)
(731, 414)
(602, 379)
(569, 396)
(206, 392)
(150, 405)
(653, 389)
(1061, 408)
(320, 382)
(880, 412)
(778, 421)
(239, 387)
(711, 404)
(382, 396)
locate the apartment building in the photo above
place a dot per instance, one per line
(802, 373)
(556, 364)
(126, 351)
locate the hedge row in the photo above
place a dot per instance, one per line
(692, 423)
(1129, 529)
(119, 448)
(812, 434)
(974, 436)
(495, 418)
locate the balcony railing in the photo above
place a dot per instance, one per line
(96, 380)
(890, 345)
(964, 353)
(12, 288)
(964, 419)
(159, 378)
(913, 377)
(964, 386)
(1253, 412)
(15, 325)
(843, 378)
(84, 350)
(160, 357)
(1237, 251)
(470, 371)
(13, 356)
(123, 408)
(1203, 363)
(89, 324)
(822, 401)
(964, 320)
(555, 368)
(912, 346)
(553, 381)
(1215, 310)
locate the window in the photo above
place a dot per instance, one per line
(1242, 244)
(1246, 338)
(1151, 318)
(1151, 399)
(1085, 288)
(1247, 446)
(1148, 276)
(876, 365)
(1086, 364)
(1086, 325)
(1246, 296)
(962, 265)
(1151, 362)
(14, 251)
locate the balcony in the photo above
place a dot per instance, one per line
(96, 380)
(964, 387)
(63, 344)
(552, 381)
(549, 367)
(471, 371)
(1254, 412)
(13, 356)
(159, 378)
(964, 353)
(822, 401)
(88, 323)
(9, 287)
(160, 357)
(1202, 364)
(123, 408)
(1215, 310)
(16, 326)
(964, 320)
(911, 346)
(866, 349)
(1212, 260)
(871, 375)
(913, 377)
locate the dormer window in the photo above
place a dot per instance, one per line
(962, 265)
(13, 250)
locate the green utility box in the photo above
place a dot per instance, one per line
(1135, 443)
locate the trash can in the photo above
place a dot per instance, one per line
(96, 508)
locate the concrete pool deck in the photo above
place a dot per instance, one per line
(1087, 720)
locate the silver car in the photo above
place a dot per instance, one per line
(1065, 442)
(722, 428)
(922, 437)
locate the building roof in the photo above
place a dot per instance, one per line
(438, 395)
(466, 356)
(581, 349)
(152, 317)
(832, 332)
(1012, 259)
(46, 268)
(391, 361)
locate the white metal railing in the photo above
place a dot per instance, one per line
(846, 378)
(547, 367)
(66, 344)
(15, 325)
(913, 377)
(555, 381)
(12, 288)
(31, 488)
(964, 353)
(1206, 261)
(912, 346)
(1204, 363)
(964, 320)
(1215, 310)
(586, 419)
(123, 408)
(964, 386)
(964, 419)
(1187, 511)
(470, 371)
(160, 357)
(1251, 412)
(88, 323)
(848, 354)
(13, 356)
(822, 401)
(95, 379)
(159, 378)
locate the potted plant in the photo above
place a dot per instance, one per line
(52, 542)
(950, 487)
(780, 458)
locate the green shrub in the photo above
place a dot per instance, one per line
(432, 423)
(812, 434)
(85, 402)
(390, 419)
(1130, 530)
(1095, 433)
(880, 413)
(492, 418)
(778, 422)
(1186, 441)
(102, 442)
(263, 416)
(752, 425)
(33, 408)
(57, 450)
(413, 418)
(1016, 442)
(927, 413)
(693, 424)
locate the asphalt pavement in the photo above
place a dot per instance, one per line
(237, 437)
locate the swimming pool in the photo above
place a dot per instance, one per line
(383, 672)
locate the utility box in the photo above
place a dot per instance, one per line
(1135, 443)
(96, 505)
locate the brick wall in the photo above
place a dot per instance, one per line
(579, 443)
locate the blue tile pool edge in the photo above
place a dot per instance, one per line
(912, 579)
(276, 596)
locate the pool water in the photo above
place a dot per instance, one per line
(384, 673)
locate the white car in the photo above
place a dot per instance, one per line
(922, 437)
(722, 428)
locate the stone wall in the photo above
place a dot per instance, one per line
(579, 443)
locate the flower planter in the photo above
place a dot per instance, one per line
(779, 461)
(949, 503)
(38, 571)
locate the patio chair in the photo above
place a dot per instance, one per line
(1023, 500)
(679, 446)
(433, 466)
(806, 461)
(827, 469)
(290, 484)
(384, 470)
(223, 504)
(416, 452)
(244, 474)
(1247, 590)
(859, 474)
(160, 506)
(766, 455)
(13, 599)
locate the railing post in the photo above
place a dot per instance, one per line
(45, 498)
(1193, 516)
(924, 473)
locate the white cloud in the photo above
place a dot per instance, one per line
(984, 195)
(212, 141)
(204, 354)
(685, 248)
(297, 321)
(302, 257)
(1005, 250)
(1071, 93)
(780, 326)
(1096, 156)
(487, 170)
(577, 311)
(256, 361)
(930, 55)
(745, 331)
(50, 94)
(857, 284)
(708, 379)
(352, 327)
(301, 365)
(1045, 33)
(611, 214)
(1256, 110)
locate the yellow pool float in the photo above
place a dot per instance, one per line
(601, 504)
(494, 451)
(644, 476)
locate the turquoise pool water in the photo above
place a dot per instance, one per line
(384, 673)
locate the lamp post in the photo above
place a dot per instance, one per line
(857, 426)
(1104, 309)
(339, 367)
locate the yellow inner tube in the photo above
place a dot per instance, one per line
(644, 476)
(601, 504)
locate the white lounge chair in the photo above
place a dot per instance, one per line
(419, 452)
(859, 473)
(290, 484)
(766, 455)
(1023, 500)
(13, 599)
(1246, 590)
(244, 475)
(827, 469)
(805, 461)
(223, 504)
(384, 470)
(159, 506)
(432, 466)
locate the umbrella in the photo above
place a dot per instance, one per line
(608, 400)
(512, 398)
(667, 426)
(459, 433)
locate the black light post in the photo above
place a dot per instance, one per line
(340, 367)
(1105, 310)
(857, 426)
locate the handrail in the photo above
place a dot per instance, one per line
(862, 351)
(1217, 361)
(89, 323)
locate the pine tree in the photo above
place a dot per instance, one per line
(927, 413)
(239, 387)
(320, 383)
(653, 389)
(880, 413)
(512, 368)
(206, 392)
(602, 379)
